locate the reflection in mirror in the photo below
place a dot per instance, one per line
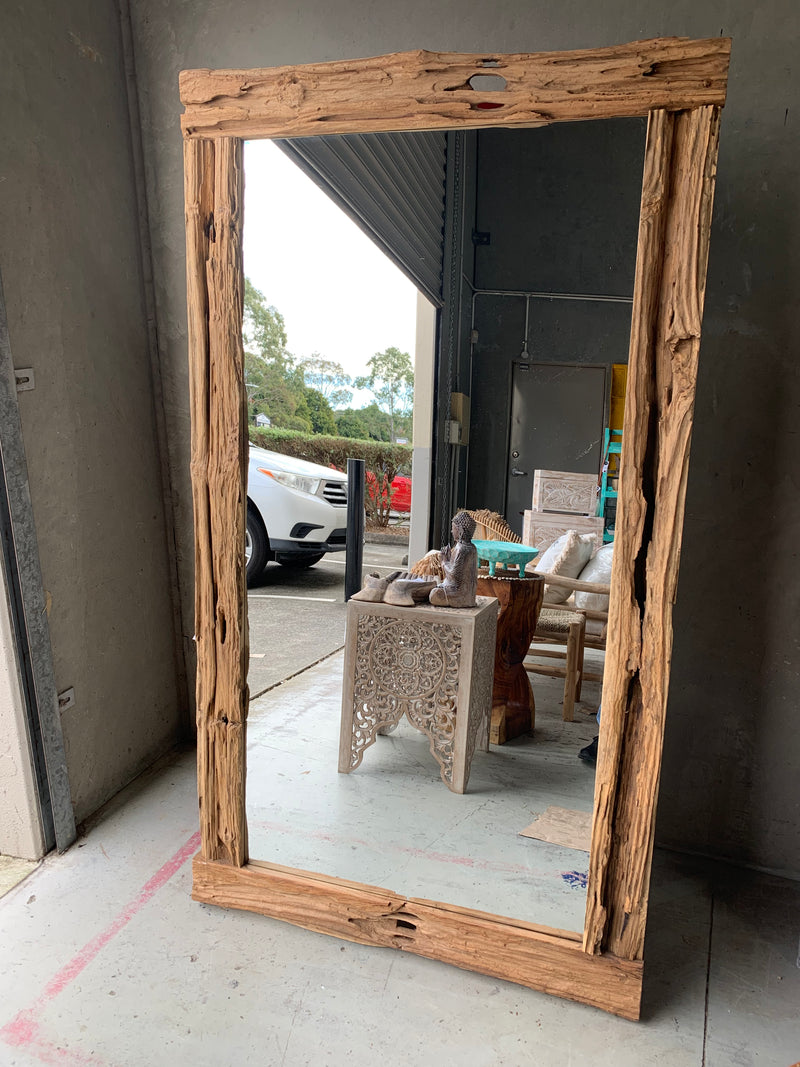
(529, 257)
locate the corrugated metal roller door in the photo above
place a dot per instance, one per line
(392, 185)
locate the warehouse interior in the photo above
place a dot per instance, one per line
(96, 478)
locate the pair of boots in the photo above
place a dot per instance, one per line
(400, 588)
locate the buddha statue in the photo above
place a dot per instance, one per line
(460, 586)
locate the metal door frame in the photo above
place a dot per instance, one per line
(27, 610)
(556, 363)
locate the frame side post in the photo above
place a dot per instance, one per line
(677, 196)
(214, 186)
(198, 161)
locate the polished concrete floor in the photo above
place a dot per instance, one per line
(393, 823)
(309, 605)
(106, 960)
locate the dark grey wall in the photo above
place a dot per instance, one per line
(561, 206)
(733, 737)
(559, 331)
(71, 268)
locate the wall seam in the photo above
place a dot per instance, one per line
(182, 667)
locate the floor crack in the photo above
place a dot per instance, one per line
(289, 677)
(291, 1024)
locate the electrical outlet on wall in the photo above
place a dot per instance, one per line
(454, 432)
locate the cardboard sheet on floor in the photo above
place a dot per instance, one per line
(562, 826)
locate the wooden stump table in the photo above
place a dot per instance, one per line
(433, 665)
(513, 705)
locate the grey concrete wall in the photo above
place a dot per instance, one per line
(733, 742)
(69, 255)
(561, 207)
(558, 332)
(561, 204)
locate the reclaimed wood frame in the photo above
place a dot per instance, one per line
(680, 84)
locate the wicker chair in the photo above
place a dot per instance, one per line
(565, 625)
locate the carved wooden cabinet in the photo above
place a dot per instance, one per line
(541, 530)
(564, 491)
(562, 500)
(433, 665)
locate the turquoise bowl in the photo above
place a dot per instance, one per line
(505, 552)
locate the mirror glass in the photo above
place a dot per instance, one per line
(537, 230)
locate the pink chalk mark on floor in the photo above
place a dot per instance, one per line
(498, 866)
(25, 1031)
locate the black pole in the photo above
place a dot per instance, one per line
(354, 555)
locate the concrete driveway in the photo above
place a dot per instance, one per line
(297, 617)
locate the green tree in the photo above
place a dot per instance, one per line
(375, 422)
(320, 412)
(274, 383)
(349, 424)
(328, 378)
(263, 329)
(391, 382)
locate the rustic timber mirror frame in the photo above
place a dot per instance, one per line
(680, 84)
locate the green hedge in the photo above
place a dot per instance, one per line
(379, 456)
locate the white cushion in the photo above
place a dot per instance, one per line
(597, 569)
(567, 556)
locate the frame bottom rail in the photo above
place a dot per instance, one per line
(550, 961)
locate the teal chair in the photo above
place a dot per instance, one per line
(612, 446)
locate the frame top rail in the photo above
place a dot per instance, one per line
(423, 90)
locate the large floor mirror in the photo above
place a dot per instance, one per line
(548, 300)
(387, 855)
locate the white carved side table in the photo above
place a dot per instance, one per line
(433, 665)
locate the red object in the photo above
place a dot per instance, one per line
(401, 491)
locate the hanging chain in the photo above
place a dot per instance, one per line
(448, 485)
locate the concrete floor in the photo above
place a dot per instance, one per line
(106, 960)
(13, 871)
(393, 823)
(307, 604)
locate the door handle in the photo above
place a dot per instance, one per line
(515, 473)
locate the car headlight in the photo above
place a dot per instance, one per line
(293, 481)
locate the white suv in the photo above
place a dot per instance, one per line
(296, 511)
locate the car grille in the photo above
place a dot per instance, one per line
(335, 493)
(338, 537)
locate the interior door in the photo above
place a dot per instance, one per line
(557, 420)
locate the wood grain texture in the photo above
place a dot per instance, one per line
(532, 956)
(213, 177)
(513, 704)
(677, 195)
(431, 90)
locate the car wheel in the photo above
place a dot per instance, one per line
(256, 545)
(299, 563)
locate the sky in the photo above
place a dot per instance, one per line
(338, 293)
